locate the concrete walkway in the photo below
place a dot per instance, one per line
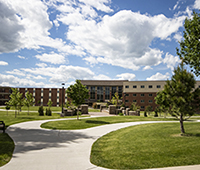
(41, 149)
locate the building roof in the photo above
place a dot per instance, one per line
(103, 82)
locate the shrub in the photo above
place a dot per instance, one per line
(94, 105)
(120, 114)
(41, 111)
(122, 105)
(156, 112)
(48, 112)
(145, 114)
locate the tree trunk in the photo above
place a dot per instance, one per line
(181, 124)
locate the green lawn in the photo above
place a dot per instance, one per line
(148, 146)
(92, 122)
(6, 148)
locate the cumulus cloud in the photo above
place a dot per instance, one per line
(101, 77)
(21, 57)
(3, 63)
(171, 61)
(147, 68)
(126, 76)
(11, 28)
(53, 58)
(159, 76)
(13, 81)
(197, 4)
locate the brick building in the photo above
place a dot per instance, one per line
(140, 92)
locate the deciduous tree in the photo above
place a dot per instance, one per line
(29, 100)
(180, 97)
(189, 50)
(77, 93)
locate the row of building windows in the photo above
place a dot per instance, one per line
(141, 101)
(142, 95)
(143, 86)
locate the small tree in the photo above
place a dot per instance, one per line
(77, 93)
(115, 99)
(7, 108)
(179, 97)
(41, 111)
(15, 97)
(29, 100)
(20, 102)
(48, 110)
(148, 109)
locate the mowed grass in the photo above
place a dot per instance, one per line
(148, 146)
(6, 148)
(98, 121)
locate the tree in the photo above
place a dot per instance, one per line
(180, 97)
(190, 46)
(20, 102)
(7, 108)
(77, 93)
(29, 100)
(48, 110)
(115, 99)
(14, 99)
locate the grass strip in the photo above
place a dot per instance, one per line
(98, 121)
(6, 148)
(148, 146)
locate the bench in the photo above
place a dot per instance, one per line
(2, 126)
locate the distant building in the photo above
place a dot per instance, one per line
(141, 92)
(41, 95)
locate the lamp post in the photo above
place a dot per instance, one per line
(62, 95)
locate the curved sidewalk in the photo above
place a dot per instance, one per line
(42, 149)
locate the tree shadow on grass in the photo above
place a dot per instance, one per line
(96, 122)
(190, 134)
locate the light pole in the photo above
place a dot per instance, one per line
(62, 95)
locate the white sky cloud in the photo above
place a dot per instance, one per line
(171, 61)
(197, 4)
(126, 76)
(3, 63)
(21, 57)
(159, 76)
(53, 58)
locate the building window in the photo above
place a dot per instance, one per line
(126, 101)
(150, 101)
(114, 90)
(126, 87)
(142, 107)
(107, 93)
(142, 86)
(150, 95)
(127, 95)
(134, 101)
(134, 86)
(142, 95)
(100, 93)
(142, 101)
(92, 92)
(134, 95)
(120, 90)
(158, 86)
(150, 86)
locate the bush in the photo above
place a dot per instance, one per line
(145, 114)
(48, 112)
(94, 105)
(41, 111)
(120, 114)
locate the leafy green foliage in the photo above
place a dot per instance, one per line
(134, 106)
(29, 100)
(115, 99)
(15, 100)
(41, 111)
(77, 93)
(190, 47)
(48, 112)
(179, 97)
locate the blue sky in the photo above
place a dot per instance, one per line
(46, 42)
